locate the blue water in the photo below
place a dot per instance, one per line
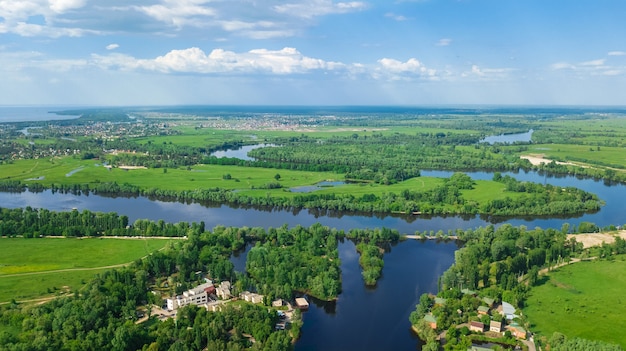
(42, 113)
(32, 113)
(509, 138)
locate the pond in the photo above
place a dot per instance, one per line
(240, 153)
(314, 187)
(509, 138)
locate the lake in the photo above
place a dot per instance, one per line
(509, 138)
(362, 318)
(240, 153)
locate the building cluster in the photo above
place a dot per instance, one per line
(213, 297)
(505, 309)
(208, 295)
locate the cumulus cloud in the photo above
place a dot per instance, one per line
(112, 46)
(314, 8)
(194, 60)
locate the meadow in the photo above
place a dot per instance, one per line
(583, 299)
(608, 156)
(31, 268)
(245, 180)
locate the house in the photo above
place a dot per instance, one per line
(476, 326)
(484, 310)
(223, 291)
(278, 303)
(489, 301)
(431, 320)
(468, 292)
(214, 306)
(507, 310)
(495, 327)
(302, 303)
(517, 330)
(251, 297)
(478, 348)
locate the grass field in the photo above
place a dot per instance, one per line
(31, 268)
(604, 155)
(246, 180)
(585, 299)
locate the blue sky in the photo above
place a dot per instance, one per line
(314, 52)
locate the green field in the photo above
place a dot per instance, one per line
(584, 300)
(593, 155)
(31, 268)
(246, 180)
(250, 181)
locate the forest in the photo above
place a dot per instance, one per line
(102, 314)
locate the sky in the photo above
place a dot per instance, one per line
(312, 52)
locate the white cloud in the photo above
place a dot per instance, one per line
(444, 42)
(487, 73)
(617, 53)
(194, 60)
(32, 30)
(12, 10)
(395, 17)
(179, 13)
(591, 68)
(314, 8)
(562, 65)
(598, 62)
(112, 46)
(61, 6)
(393, 69)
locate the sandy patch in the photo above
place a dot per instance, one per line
(596, 239)
(132, 167)
(536, 160)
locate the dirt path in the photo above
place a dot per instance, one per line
(66, 270)
(547, 269)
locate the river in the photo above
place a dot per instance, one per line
(362, 318)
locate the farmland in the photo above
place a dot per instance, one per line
(583, 299)
(32, 268)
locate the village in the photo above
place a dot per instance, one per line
(213, 297)
(491, 319)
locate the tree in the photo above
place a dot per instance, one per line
(277, 176)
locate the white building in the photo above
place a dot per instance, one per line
(251, 297)
(223, 291)
(196, 296)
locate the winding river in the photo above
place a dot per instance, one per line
(363, 318)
